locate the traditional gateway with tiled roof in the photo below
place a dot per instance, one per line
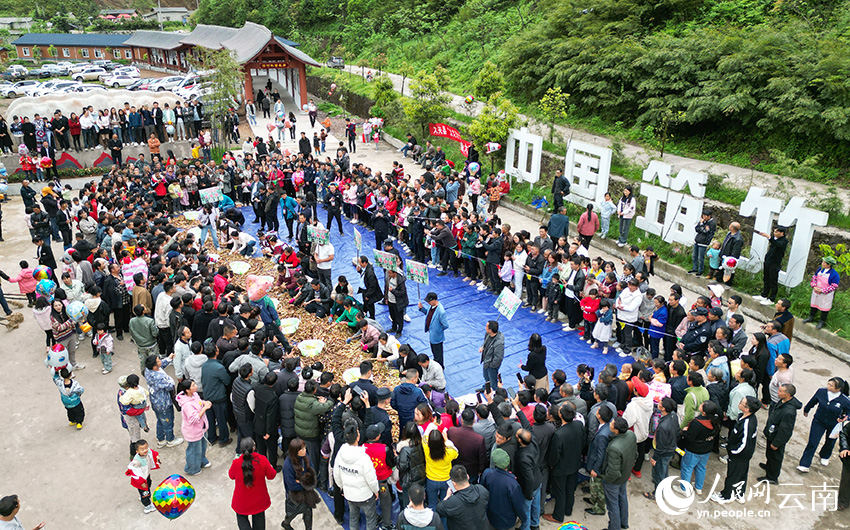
(260, 52)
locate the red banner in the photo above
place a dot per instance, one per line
(445, 131)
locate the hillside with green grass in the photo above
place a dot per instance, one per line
(747, 82)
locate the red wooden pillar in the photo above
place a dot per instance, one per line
(249, 84)
(302, 81)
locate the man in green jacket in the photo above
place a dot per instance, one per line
(620, 456)
(308, 410)
(143, 330)
(695, 394)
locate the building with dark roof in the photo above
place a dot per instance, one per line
(261, 53)
(74, 46)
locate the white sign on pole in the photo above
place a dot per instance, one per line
(682, 212)
(588, 168)
(516, 156)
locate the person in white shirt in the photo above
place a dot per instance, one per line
(355, 474)
(388, 347)
(242, 243)
(161, 315)
(324, 256)
(627, 307)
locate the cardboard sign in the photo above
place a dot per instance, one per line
(387, 261)
(358, 241)
(507, 303)
(211, 195)
(418, 272)
(318, 234)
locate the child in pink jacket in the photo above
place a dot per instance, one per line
(26, 282)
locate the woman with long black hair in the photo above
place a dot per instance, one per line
(250, 470)
(758, 349)
(63, 332)
(535, 363)
(626, 208)
(299, 481)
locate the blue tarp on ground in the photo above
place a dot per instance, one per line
(468, 310)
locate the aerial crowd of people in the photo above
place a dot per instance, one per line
(680, 379)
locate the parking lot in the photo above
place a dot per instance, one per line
(69, 78)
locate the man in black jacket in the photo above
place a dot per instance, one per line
(564, 460)
(705, 230)
(533, 268)
(666, 436)
(467, 506)
(304, 145)
(778, 431)
(44, 253)
(333, 203)
(675, 314)
(266, 418)
(844, 453)
(286, 403)
(776, 245)
(371, 289)
(731, 247)
(395, 294)
(560, 189)
(741, 445)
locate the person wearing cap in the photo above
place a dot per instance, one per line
(505, 504)
(383, 458)
(695, 339)
(436, 324)
(377, 414)
(777, 243)
(715, 320)
(824, 284)
(705, 229)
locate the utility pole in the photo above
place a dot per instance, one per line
(159, 13)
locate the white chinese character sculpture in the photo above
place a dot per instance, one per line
(588, 168)
(793, 214)
(517, 149)
(682, 212)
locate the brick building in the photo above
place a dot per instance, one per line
(74, 46)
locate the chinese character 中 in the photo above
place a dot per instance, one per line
(588, 168)
(516, 156)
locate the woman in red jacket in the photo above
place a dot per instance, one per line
(250, 496)
(76, 131)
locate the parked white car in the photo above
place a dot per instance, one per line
(89, 74)
(60, 86)
(166, 83)
(119, 80)
(19, 88)
(78, 67)
(131, 71)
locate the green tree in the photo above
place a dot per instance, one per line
(380, 62)
(405, 71)
(489, 81)
(553, 107)
(427, 103)
(442, 76)
(37, 54)
(225, 80)
(51, 51)
(384, 91)
(494, 122)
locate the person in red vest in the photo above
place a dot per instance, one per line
(383, 459)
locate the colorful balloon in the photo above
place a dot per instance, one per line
(474, 167)
(45, 288)
(42, 272)
(258, 286)
(77, 311)
(469, 99)
(572, 525)
(57, 357)
(730, 263)
(173, 496)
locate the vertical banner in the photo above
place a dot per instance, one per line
(418, 272)
(507, 303)
(387, 261)
(318, 234)
(358, 242)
